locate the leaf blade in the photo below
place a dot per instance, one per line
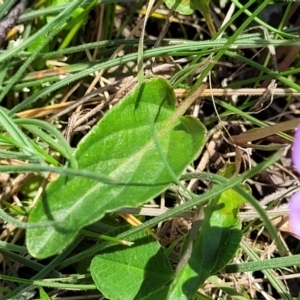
(131, 272)
(215, 245)
(121, 146)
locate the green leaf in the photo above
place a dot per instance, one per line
(62, 2)
(43, 294)
(203, 7)
(187, 7)
(216, 243)
(132, 272)
(180, 6)
(39, 63)
(158, 294)
(121, 146)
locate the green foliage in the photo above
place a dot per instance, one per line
(182, 7)
(132, 272)
(121, 146)
(187, 7)
(215, 245)
(27, 148)
(43, 294)
(135, 151)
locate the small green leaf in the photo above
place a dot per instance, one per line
(54, 3)
(203, 7)
(187, 7)
(121, 146)
(39, 63)
(180, 6)
(43, 294)
(132, 272)
(216, 243)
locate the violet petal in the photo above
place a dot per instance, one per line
(295, 213)
(296, 150)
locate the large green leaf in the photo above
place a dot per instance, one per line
(121, 146)
(132, 272)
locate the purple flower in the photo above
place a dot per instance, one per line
(295, 199)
